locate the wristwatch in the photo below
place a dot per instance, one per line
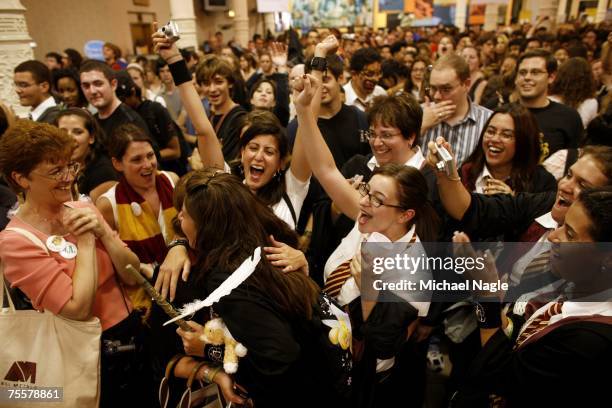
(318, 64)
(176, 242)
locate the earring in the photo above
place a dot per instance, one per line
(278, 175)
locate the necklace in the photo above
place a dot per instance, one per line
(46, 225)
(55, 242)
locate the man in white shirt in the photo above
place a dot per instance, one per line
(365, 73)
(32, 81)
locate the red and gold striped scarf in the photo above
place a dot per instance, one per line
(140, 229)
(142, 232)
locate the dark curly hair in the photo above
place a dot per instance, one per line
(231, 222)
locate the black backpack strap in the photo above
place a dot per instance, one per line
(572, 156)
(291, 209)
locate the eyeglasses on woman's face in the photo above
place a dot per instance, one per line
(384, 136)
(376, 202)
(505, 134)
(62, 173)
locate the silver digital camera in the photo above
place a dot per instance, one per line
(171, 31)
(446, 162)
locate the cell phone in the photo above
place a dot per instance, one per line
(446, 163)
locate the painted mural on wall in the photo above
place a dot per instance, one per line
(331, 13)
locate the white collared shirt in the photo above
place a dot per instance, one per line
(581, 307)
(415, 161)
(521, 264)
(40, 109)
(481, 180)
(352, 99)
(547, 221)
(350, 246)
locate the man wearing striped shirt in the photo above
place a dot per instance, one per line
(451, 114)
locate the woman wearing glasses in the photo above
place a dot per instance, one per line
(395, 123)
(68, 261)
(394, 204)
(508, 156)
(414, 84)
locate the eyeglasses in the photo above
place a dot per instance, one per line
(371, 135)
(444, 90)
(505, 134)
(364, 190)
(61, 173)
(534, 72)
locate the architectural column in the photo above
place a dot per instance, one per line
(241, 22)
(269, 23)
(602, 9)
(491, 16)
(574, 9)
(14, 49)
(461, 14)
(561, 17)
(548, 8)
(181, 12)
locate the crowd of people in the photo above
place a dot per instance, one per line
(182, 163)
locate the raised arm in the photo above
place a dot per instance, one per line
(208, 143)
(300, 167)
(316, 150)
(455, 198)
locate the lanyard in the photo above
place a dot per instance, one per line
(218, 125)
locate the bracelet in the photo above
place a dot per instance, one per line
(488, 314)
(174, 58)
(205, 374)
(180, 72)
(177, 242)
(456, 178)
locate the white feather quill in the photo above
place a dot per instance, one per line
(232, 282)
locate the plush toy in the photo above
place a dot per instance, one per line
(217, 334)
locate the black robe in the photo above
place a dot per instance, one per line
(567, 367)
(284, 365)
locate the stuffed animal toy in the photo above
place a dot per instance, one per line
(217, 333)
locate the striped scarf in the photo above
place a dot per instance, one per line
(339, 276)
(142, 233)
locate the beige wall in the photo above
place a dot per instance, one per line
(59, 24)
(208, 22)
(55, 25)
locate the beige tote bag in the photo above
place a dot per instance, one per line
(45, 350)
